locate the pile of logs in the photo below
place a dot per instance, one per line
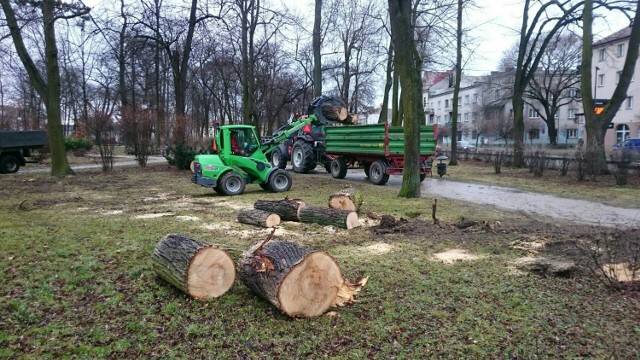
(300, 281)
(342, 211)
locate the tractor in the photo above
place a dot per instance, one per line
(238, 160)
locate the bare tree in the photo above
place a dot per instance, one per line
(536, 33)
(48, 89)
(317, 49)
(409, 66)
(597, 124)
(456, 88)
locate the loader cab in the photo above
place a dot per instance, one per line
(239, 140)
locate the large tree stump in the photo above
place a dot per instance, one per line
(326, 216)
(198, 269)
(299, 281)
(288, 210)
(346, 199)
(258, 218)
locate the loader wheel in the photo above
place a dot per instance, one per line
(231, 184)
(9, 164)
(338, 168)
(277, 159)
(302, 157)
(280, 181)
(378, 172)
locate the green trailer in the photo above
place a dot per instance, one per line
(378, 148)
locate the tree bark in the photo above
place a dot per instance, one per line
(326, 216)
(198, 269)
(299, 281)
(288, 210)
(346, 199)
(384, 108)
(456, 90)
(334, 113)
(317, 45)
(258, 218)
(409, 68)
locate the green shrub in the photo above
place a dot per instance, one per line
(77, 144)
(181, 156)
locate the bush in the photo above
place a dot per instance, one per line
(181, 156)
(78, 144)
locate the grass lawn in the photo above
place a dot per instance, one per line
(76, 277)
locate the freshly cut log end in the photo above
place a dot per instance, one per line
(258, 218)
(326, 216)
(334, 112)
(346, 199)
(196, 268)
(347, 293)
(311, 286)
(299, 281)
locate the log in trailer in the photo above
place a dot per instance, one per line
(17, 146)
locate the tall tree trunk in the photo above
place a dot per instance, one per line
(50, 89)
(395, 96)
(384, 108)
(409, 67)
(317, 45)
(456, 90)
(597, 125)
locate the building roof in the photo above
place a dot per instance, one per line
(618, 35)
(431, 77)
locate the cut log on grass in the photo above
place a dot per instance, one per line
(199, 269)
(299, 281)
(346, 199)
(258, 218)
(326, 216)
(288, 210)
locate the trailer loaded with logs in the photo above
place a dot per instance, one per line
(328, 136)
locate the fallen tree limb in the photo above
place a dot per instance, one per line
(326, 216)
(258, 217)
(288, 210)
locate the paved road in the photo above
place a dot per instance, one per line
(580, 211)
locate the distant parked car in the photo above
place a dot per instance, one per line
(465, 146)
(629, 149)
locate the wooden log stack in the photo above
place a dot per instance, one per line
(299, 281)
(296, 210)
(198, 269)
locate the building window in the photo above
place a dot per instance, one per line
(622, 133)
(459, 101)
(446, 104)
(534, 134)
(475, 98)
(466, 116)
(424, 101)
(474, 134)
(600, 79)
(446, 119)
(533, 113)
(466, 99)
(629, 102)
(620, 50)
(572, 114)
(574, 93)
(431, 119)
(603, 54)
(439, 104)
(572, 133)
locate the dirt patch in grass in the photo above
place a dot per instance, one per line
(454, 255)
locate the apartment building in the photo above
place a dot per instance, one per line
(608, 59)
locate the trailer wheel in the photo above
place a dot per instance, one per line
(378, 172)
(9, 164)
(302, 157)
(277, 159)
(422, 177)
(280, 181)
(231, 184)
(338, 168)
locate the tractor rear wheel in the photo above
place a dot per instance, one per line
(338, 168)
(231, 184)
(302, 157)
(277, 159)
(378, 172)
(280, 181)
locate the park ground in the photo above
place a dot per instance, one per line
(76, 277)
